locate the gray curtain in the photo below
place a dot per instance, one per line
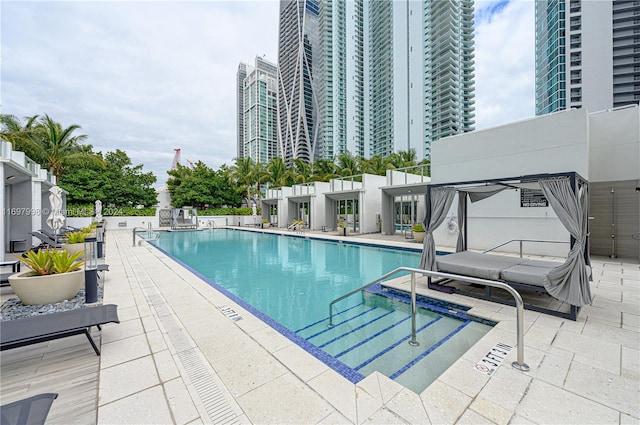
(441, 199)
(461, 243)
(570, 281)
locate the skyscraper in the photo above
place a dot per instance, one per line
(321, 78)
(240, 76)
(373, 77)
(587, 54)
(257, 106)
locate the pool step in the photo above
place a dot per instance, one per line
(376, 337)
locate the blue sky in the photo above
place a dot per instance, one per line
(151, 76)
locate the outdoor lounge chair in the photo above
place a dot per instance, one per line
(47, 240)
(47, 327)
(32, 410)
(4, 277)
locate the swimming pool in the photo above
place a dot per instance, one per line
(291, 281)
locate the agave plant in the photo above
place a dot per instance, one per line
(65, 262)
(75, 237)
(51, 261)
(40, 261)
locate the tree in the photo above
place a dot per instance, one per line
(202, 187)
(279, 175)
(243, 173)
(120, 183)
(323, 170)
(348, 165)
(48, 143)
(403, 159)
(13, 131)
(376, 165)
(301, 171)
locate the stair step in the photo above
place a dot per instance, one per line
(400, 353)
(372, 344)
(430, 366)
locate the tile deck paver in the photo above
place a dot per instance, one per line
(176, 358)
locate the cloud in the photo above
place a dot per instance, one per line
(150, 76)
(505, 62)
(145, 77)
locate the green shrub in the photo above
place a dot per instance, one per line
(76, 237)
(417, 227)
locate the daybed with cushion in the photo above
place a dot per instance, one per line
(568, 282)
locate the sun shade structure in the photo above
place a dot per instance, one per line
(566, 193)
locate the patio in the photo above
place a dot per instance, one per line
(183, 353)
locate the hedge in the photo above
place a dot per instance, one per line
(89, 211)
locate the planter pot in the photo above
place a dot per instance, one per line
(419, 236)
(265, 225)
(72, 248)
(342, 231)
(33, 289)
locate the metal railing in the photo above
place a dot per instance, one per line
(518, 364)
(521, 241)
(154, 235)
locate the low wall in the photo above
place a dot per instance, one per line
(117, 222)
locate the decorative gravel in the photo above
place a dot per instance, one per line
(14, 309)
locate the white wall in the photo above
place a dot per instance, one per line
(370, 202)
(113, 222)
(548, 144)
(615, 145)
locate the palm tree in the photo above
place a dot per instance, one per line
(12, 130)
(301, 170)
(279, 175)
(348, 164)
(403, 159)
(243, 173)
(377, 165)
(260, 176)
(56, 147)
(324, 170)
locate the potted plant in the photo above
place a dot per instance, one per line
(342, 228)
(75, 242)
(265, 223)
(418, 232)
(90, 230)
(55, 275)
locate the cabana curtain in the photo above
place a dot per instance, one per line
(570, 281)
(441, 200)
(461, 243)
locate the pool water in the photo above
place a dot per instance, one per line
(292, 280)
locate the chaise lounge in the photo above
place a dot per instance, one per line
(568, 282)
(47, 327)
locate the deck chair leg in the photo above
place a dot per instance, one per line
(91, 341)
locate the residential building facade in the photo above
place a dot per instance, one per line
(373, 77)
(258, 120)
(587, 54)
(321, 79)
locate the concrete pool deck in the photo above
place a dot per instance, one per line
(184, 353)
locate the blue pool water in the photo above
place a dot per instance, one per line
(292, 280)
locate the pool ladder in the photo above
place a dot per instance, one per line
(154, 236)
(518, 364)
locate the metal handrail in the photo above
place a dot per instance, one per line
(518, 364)
(521, 241)
(142, 229)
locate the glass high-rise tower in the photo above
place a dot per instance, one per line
(587, 54)
(373, 77)
(257, 111)
(321, 78)
(421, 73)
